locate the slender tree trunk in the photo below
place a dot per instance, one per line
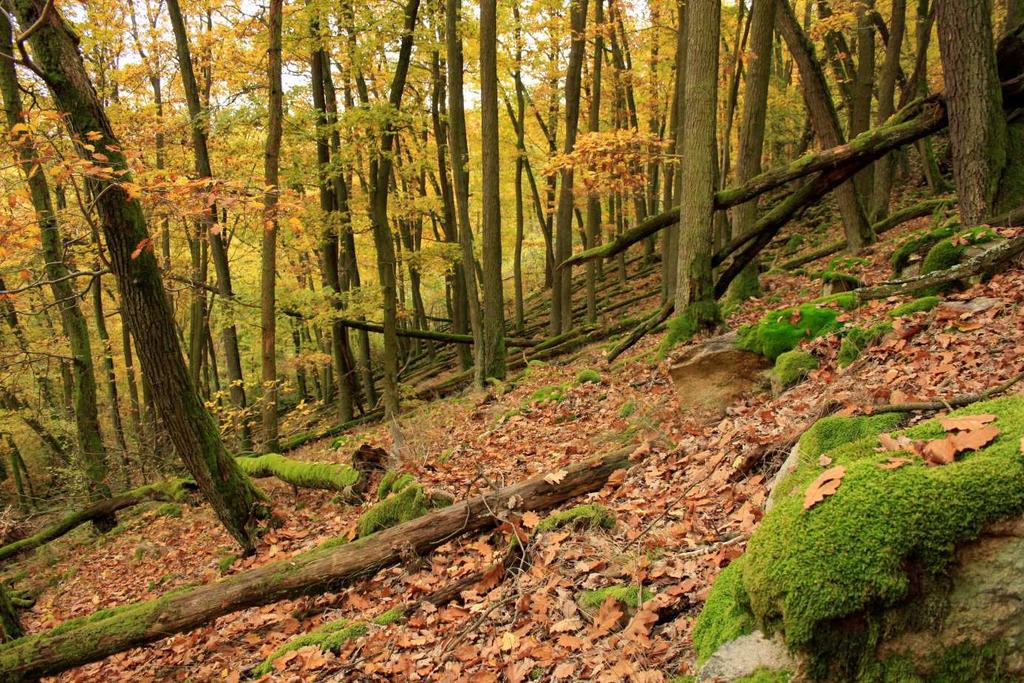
(561, 310)
(670, 248)
(113, 400)
(695, 295)
(493, 331)
(517, 262)
(752, 126)
(594, 125)
(863, 87)
(143, 299)
(91, 450)
(886, 106)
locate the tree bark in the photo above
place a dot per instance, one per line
(143, 299)
(593, 126)
(321, 569)
(886, 107)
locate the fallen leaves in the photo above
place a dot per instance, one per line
(555, 478)
(966, 422)
(964, 433)
(824, 486)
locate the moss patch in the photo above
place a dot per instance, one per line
(317, 475)
(857, 339)
(725, 615)
(792, 367)
(169, 510)
(328, 637)
(781, 331)
(806, 572)
(765, 676)
(627, 409)
(925, 303)
(545, 394)
(948, 252)
(410, 503)
(627, 595)
(394, 481)
(698, 316)
(582, 516)
(588, 376)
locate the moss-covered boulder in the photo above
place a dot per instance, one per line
(950, 251)
(899, 567)
(393, 481)
(783, 330)
(409, 503)
(592, 516)
(857, 339)
(588, 376)
(791, 368)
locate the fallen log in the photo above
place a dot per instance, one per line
(447, 337)
(166, 491)
(314, 475)
(94, 637)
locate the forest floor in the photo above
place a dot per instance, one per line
(681, 515)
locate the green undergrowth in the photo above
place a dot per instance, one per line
(394, 481)
(792, 367)
(783, 330)
(588, 376)
(846, 280)
(824, 576)
(318, 475)
(765, 676)
(847, 301)
(591, 516)
(409, 503)
(857, 339)
(169, 510)
(949, 251)
(629, 595)
(923, 304)
(554, 393)
(627, 409)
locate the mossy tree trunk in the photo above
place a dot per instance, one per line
(91, 450)
(143, 299)
(695, 296)
(10, 625)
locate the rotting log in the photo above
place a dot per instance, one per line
(173, 490)
(94, 637)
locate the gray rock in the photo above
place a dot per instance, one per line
(744, 656)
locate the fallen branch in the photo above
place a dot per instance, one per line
(314, 475)
(99, 635)
(167, 491)
(641, 330)
(447, 337)
(950, 403)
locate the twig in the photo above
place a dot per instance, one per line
(950, 403)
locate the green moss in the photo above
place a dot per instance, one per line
(919, 243)
(834, 277)
(341, 441)
(793, 244)
(588, 376)
(725, 615)
(410, 503)
(392, 616)
(627, 409)
(969, 662)
(319, 475)
(857, 551)
(857, 339)
(591, 516)
(169, 510)
(393, 481)
(224, 563)
(545, 394)
(627, 595)
(698, 316)
(925, 303)
(834, 430)
(847, 301)
(792, 367)
(944, 254)
(782, 330)
(328, 637)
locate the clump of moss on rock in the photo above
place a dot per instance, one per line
(792, 367)
(822, 576)
(948, 252)
(857, 339)
(582, 516)
(588, 376)
(783, 330)
(630, 596)
(393, 481)
(918, 244)
(726, 614)
(410, 503)
(925, 303)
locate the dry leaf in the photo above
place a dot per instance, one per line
(608, 615)
(824, 460)
(973, 440)
(531, 519)
(894, 463)
(825, 485)
(555, 478)
(939, 451)
(965, 423)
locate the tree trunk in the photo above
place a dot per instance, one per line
(91, 450)
(670, 249)
(887, 106)
(517, 261)
(143, 299)
(863, 88)
(493, 332)
(561, 309)
(594, 125)
(695, 299)
(111, 377)
(318, 570)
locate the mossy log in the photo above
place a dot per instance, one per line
(10, 625)
(301, 439)
(91, 638)
(313, 475)
(174, 490)
(448, 337)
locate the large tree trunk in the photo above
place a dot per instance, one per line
(755, 107)
(143, 299)
(493, 332)
(695, 299)
(91, 450)
(268, 259)
(218, 247)
(561, 309)
(318, 570)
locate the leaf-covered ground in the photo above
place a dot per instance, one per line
(682, 514)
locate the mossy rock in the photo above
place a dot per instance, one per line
(847, 301)
(393, 481)
(588, 376)
(918, 244)
(591, 516)
(872, 561)
(835, 282)
(629, 596)
(726, 615)
(923, 304)
(411, 502)
(950, 251)
(857, 339)
(792, 367)
(783, 330)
